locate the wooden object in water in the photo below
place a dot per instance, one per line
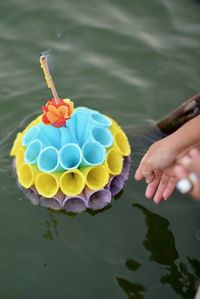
(178, 117)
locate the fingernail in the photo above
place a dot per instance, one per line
(156, 201)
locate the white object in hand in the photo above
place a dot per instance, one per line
(185, 185)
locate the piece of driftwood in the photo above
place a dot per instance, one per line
(185, 112)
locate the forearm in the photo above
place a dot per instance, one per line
(186, 136)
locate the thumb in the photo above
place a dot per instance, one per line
(144, 170)
(138, 174)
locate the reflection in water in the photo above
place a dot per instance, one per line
(160, 242)
(49, 228)
(133, 290)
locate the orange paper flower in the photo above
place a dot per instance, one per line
(56, 114)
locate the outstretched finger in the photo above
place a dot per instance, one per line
(138, 174)
(170, 187)
(161, 187)
(152, 186)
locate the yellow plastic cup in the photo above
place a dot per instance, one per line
(47, 184)
(72, 182)
(96, 177)
(20, 157)
(115, 127)
(114, 161)
(16, 145)
(121, 143)
(26, 175)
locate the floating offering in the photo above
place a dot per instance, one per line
(71, 159)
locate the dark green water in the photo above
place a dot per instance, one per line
(133, 60)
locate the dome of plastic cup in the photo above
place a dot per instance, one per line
(121, 141)
(116, 184)
(99, 119)
(33, 123)
(33, 150)
(16, 145)
(72, 123)
(48, 160)
(47, 184)
(88, 110)
(70, 156)
(67, 135)
(82, 126)
(72, 182)
(26, 175)
(103, 136)
(19, 157)
(75, 204)
(126, 167)
(30, 135)
(97, 200)
(50, 135)
(96, 177)
(114, 161)
(93, 154)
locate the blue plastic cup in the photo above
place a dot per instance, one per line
(98, 119)
(50, 135)
(103, 136)
(83, 126)
(72, 124)
(48, 160)
(93, 154)
(67, 135)
(30, 135)
(33, 150)
(70, 156)
(82, 108)
(79, 124)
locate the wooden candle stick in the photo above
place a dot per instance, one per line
(48, 77)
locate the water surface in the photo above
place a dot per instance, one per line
(133, 60)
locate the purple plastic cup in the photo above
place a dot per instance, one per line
(116, 184)
(32, 195)
(126, 167)
(97, 200)
(75, 204)
(54, 203)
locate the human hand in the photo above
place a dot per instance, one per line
(156, 168)
(160, 156)
(162, 186)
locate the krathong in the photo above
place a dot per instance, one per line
(71, 159)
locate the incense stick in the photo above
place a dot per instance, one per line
(48, 77)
